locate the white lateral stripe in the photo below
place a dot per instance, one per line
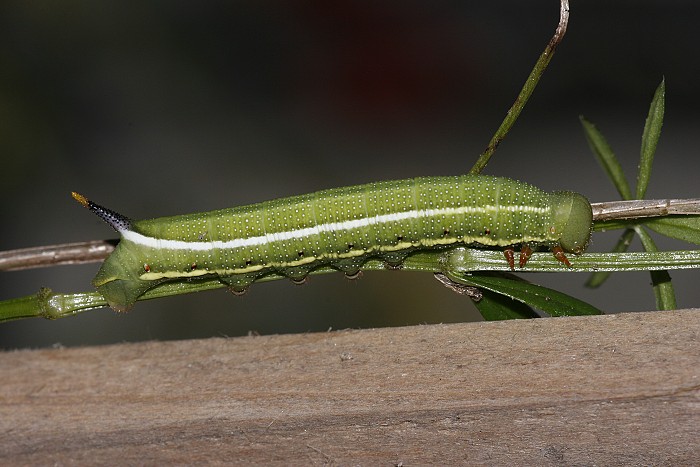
(160, 243)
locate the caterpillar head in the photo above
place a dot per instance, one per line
(573, 220)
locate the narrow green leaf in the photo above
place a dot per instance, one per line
(681, 227)
(618, 224)
(496, 307)
(686, 228)
(660, 280)
(650, 138)
(663, 290)
(606, 158)
(598, 278)
(549, 301)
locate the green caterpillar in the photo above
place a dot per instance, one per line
(341, 228)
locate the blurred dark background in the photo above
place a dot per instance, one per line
(161, 108)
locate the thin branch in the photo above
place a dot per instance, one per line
(55, 255)
(526, 91)
(97, 250)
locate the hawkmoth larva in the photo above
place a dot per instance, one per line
(341, 228)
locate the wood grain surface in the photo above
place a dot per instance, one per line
(604, 390)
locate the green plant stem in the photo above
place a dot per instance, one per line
(598, 278)
(48, 304)
(660, 279)
(467, 259)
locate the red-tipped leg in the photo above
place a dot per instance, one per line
(559, 254)
(525, 253)
(509, 253)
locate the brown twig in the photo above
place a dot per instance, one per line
(638, 209)
(55, 255)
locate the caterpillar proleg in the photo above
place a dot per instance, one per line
(341, 228)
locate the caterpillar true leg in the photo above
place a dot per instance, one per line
(509, 253)
(525, 253)
(559, 254)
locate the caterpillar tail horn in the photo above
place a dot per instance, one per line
(119, 285)
(115, 220)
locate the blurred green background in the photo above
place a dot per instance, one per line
(161, 108)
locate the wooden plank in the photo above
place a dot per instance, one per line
(618, 389)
